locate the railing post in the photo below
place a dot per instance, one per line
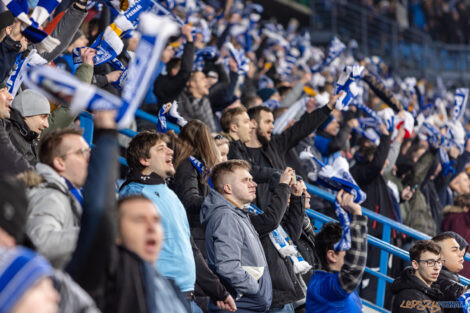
(384, 255)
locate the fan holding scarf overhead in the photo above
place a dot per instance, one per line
(31, 25)
(61, 87)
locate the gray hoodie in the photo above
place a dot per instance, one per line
(235, 253)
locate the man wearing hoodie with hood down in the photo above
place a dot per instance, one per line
(414, 291)
(234, 250)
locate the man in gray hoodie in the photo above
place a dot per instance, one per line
(234, 250)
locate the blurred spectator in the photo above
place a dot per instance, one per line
(54, 194)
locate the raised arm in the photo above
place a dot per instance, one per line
(94, 256)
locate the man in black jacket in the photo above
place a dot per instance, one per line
(236, 124)
(28, 118)
(414, 291)
(270, 151)
(452, 252)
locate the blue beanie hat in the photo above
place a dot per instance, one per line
(20, 269)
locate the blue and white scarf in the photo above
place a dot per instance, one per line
(76, 192)
(447, 165)
(30, 28)
(460, 103)
(337, 177)
(346, 83)
(62, 87)
(155, 33)
(431, 134)
(160, 10)
(18, 75)
(202, 55)
(336, 48)
(200, 168)
(464, 300)
(370, 112)
(242, 61)
(286, 248)
(344, 244)
(370, 133)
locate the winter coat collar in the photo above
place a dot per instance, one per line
(18, 122)
(51, 176)
(214, 202)
(448, 275)
(137, 177)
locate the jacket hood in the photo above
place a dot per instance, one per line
(50, 175)
(31, 179)
(212, 203)
(408, 280)
(453, 209)
(445, 274)
(137, 177)
(18, 122)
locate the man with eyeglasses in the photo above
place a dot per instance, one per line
(453, 248)
(54, 193)
(415, 291)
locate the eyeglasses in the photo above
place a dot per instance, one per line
(432, 262)
(84, 152)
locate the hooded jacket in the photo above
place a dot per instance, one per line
(235, 253)
(24, 139)
(450, 286)
(410, 293)
(53, 216)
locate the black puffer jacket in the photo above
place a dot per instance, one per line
(450, 286)
(24, 139)
(11, 161)
(407, 289)
(286, 288)
(191, 190)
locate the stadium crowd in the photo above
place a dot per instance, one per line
(444, 21)
(212, 218)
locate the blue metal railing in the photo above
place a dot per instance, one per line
(383, 244)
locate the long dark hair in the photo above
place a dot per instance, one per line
(195, 139)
